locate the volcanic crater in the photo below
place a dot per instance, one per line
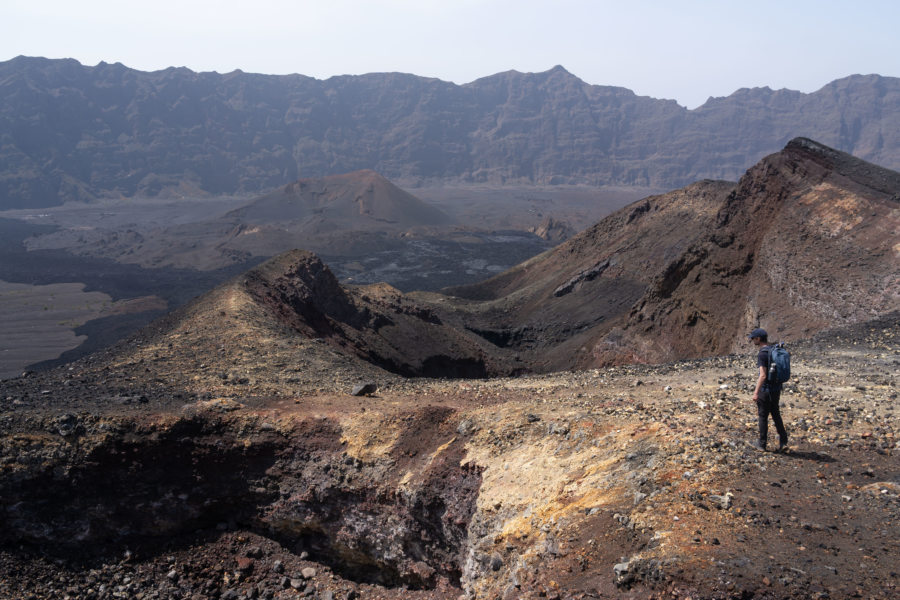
(515, 446)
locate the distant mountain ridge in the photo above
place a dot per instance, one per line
(74, 132)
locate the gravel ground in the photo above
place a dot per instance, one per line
(634, 481)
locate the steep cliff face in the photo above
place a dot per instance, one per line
(155, 478)
(806, 240)
(70, 132)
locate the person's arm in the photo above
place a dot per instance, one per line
(759, 382)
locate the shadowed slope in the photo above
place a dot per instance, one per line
(562, 298)
(288, 324)
(376, 323)
(807, 240)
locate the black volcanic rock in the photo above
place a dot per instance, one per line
(291, 309)
(71, 132)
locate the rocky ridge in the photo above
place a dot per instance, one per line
(73, 132)
(632, 481)
(220, 453)
(806, 240)
(287, 324)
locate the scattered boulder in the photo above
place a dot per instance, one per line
(636, 570)
(364, 389)
(723, 502)
(66, 425)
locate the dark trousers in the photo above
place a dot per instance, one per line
(768, 405)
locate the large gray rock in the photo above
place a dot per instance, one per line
(364, 389)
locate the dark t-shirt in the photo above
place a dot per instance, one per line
(762, 360)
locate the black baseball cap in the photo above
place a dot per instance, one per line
(758, 332)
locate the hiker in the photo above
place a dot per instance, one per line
(767, 393)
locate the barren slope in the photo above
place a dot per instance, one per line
(808, 239)
(219, 454)
(632, 482)
(561, 299)
(352, 213)
(355, 201)
(289, 325)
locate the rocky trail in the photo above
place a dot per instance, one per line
(627, 482)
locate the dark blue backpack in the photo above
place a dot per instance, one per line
(779, 363)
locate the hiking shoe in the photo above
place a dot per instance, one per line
(782, 443)
(758, 445)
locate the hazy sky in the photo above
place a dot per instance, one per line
(687, 50)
